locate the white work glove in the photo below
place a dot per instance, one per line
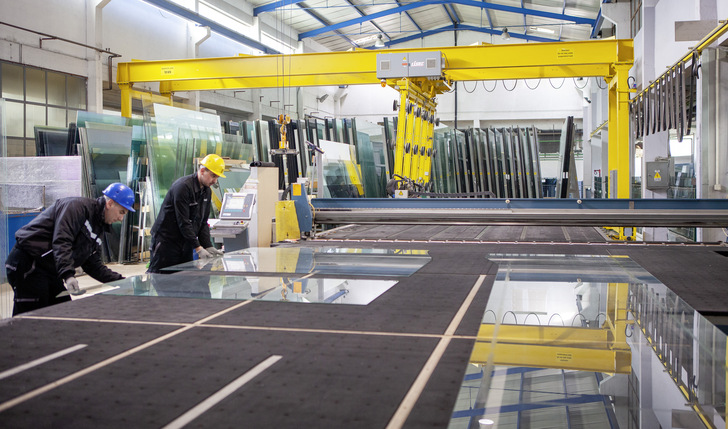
(71, 285)
(214, 251)
(202, 253)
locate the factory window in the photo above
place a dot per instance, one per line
(636, 17)
(37, 97)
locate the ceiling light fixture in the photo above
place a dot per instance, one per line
(365, 39)
(505, 34)
(543, 30)
(380, 41)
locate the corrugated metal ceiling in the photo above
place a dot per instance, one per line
(343, 24)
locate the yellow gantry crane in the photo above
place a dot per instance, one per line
(610, 59)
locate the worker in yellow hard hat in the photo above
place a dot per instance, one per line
(181, 226)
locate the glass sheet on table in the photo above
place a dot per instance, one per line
(223, 286)
(318, 260)
(590, 340)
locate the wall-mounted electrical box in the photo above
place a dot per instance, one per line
(658, 175)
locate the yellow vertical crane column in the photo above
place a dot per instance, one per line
(619, 140)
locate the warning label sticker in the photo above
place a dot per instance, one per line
(565, 53)
(564, 357)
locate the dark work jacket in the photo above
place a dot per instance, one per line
(67, 235)
(184, 213)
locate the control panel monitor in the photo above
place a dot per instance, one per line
(237, 206)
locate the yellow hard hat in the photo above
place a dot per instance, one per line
(214, 163)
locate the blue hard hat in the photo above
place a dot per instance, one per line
(121, 193)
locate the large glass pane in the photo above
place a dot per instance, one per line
(264, 141)
(589, 341)
(535, 160)
(35, 85)
(567, 185)
(51, 141)
(342, 178)
(109, 147)
(15, 118)
(56, 89)
(77, 93)
(319, 260)
(176, 137)
(282, 289)
(12, 82)
(504, 184)
(82, 117)
(372, 170)
(34, 116)
(106, 150)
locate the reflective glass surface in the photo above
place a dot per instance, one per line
(287, 289)
(175, 138)
(320, 260)
(342, 178)
(590, 341)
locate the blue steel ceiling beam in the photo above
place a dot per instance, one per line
(275, 5)
(214, 26)
(410, 6)
(561, 27)
(597, 23)
(487, 15)
(371, 22)
(454, 13)
(525, 26)
(461, 27)
(324, 22)
(447, 11)
(410, 17)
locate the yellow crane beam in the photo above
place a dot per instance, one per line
(519, 61)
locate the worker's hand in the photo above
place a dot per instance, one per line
(202, 253)
(214, 252)
(71, 285)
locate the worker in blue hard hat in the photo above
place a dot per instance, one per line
(66, 235)
(181, 225)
